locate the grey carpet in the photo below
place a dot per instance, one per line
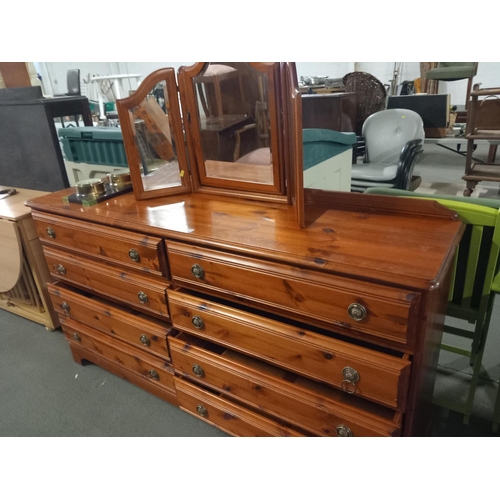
(43, 392)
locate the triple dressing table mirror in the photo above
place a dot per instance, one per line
(232, 137)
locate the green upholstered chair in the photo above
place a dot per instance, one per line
(475, 280)
(451, 72)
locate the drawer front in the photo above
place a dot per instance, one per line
(139, 330)
(135, 250)
(149, 367)
(225, 414)
(328, 300)
(138, 291)
(380, 377)
(273, 391)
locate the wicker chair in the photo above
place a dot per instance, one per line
(370, 95)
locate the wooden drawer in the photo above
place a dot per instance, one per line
(135, 250)
(137, 329)
(226, 415)
(324, 299)
(318, 409)
(383, 378)
(149, 367)
(136, 290)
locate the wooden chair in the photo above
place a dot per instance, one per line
(370, 95)
(450, 72)
(475, 282)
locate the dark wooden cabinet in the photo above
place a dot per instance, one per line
(330, 111)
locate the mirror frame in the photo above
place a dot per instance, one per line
(277, 191)
(124, 107)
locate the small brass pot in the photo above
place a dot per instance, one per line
(90, 188)
(118, 181)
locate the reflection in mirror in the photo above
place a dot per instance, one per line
(232, 102)
(152, 131)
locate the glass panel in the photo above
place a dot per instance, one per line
(233, 114)
(154, 138)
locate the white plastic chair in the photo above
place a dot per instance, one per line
(393, 140)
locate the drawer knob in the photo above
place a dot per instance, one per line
(343, 431)
(198, 371)
(134, 255)
(154, 375)
(60, 269)
(198, 271)
(143, 298)
(197, 322)
(357, 312)
(65, 307)
(76, 337)
(351, 376)
(144, 340)
(202, 411)
(51, 233)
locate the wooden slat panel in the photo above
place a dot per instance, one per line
(117, 322)
(383, 378)
(120, 353)
(109, 282)
(226, 415)
(268, 389)
(296, 292)
(108, 244)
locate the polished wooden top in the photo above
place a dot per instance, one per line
(383, 239)
(14, 207)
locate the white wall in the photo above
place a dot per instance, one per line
(55, 73)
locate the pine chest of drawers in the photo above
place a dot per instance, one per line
(228, 310)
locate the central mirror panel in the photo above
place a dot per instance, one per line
(235, 123)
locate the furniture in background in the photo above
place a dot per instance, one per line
(23, 272)
(393, 141)
(30, 154)
(330, 111)
(475, 282)
(111, 86)
(327, 159)
(433, 109)
(370, 95)
(92, 152)
(451, 72)
(339, 336)
(483, 124)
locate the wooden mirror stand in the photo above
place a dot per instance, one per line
(239, 135)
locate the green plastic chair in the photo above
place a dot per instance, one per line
(475, 281)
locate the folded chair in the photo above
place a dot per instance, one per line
(475, 281)
(392, 140)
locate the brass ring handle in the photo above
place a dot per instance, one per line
(202, 411)
(198, 271)
(60, 269)
(143, 298)
(357, 312)
(154, 375)
(76, 337)
(144, 340)
(198, 371)
(350, 374)
(50, 232)
(345, 384)
(343, 431)
(134, 255)
(65, 307)
(198, 322)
